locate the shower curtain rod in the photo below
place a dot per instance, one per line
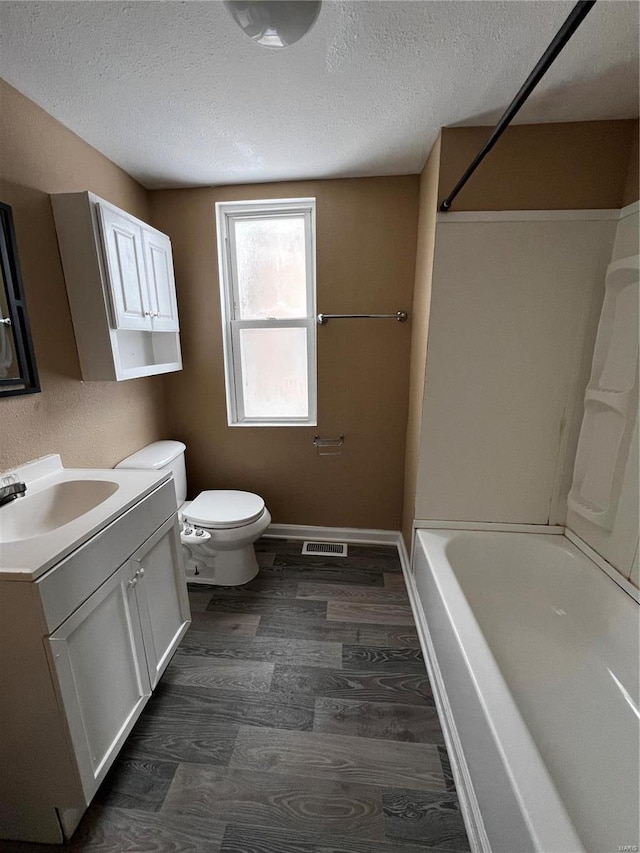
(576, 17)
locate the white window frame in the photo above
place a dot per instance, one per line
(227, 213)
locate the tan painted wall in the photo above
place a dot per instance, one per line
(420, 330)
(89, 423)
(366, 241)
(571, 166)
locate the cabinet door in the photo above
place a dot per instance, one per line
(162, 596)
(98, 656)
(160, 280)
(124, 255)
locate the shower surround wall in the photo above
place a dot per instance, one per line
(514, 308)
(558, 167)
(619, 544)
(504, 387)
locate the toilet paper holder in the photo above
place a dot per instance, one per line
(328, 446)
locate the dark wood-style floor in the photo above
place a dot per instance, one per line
(296, 717)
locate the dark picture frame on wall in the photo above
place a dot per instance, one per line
(18, 371)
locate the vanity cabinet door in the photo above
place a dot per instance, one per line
(162, 596)
(160, 281)
(98, 657)
(122, 238)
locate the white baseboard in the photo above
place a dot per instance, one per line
(405, 562)
(361, 536)
(469, 807)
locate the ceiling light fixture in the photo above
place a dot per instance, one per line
(274, 23)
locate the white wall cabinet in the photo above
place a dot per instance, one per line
(160, 282)
(124, 258)
(73, 682)
(119, 276)
(139, 266)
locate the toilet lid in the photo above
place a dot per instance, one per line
(222, 508)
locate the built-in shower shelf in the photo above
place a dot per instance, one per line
(615, 356)
(617, 400)
(610, 400)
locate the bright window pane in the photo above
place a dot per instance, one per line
(270, 260)
(274, 373)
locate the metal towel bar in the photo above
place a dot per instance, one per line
(400, 316)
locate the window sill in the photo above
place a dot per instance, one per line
(273, 424)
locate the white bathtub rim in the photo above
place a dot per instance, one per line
(495, 526)
(611, 572)
(542, 808)
(471, 814)
(531, 783)
(547, 529)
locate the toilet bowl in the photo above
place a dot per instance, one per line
(225, 525)
(218, 528)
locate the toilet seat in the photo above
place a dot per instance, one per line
(221, 509)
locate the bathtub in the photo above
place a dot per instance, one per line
(532, 651)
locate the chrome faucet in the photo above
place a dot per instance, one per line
(10, 488)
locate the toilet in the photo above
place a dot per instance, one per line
(218, 528)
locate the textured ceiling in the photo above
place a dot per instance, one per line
(177, 95)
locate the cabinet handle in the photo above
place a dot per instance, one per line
(134, 580)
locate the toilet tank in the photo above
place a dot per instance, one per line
(162, 456)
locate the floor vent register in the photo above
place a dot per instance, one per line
(330, 549)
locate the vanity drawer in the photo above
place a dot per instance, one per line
(74, 579)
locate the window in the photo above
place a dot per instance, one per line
(266, 255)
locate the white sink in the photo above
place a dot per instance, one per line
(62, 509)
(52, 507)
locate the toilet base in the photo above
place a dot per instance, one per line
(222, 568)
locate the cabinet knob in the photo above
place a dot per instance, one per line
(140, 572)
(133, 581)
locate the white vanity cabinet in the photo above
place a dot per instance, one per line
(99, 659)
(119, 276)
(159, 580)
(82, 649)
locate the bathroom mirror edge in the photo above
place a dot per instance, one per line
(18, 370)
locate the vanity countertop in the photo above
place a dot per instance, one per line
(62, 509)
